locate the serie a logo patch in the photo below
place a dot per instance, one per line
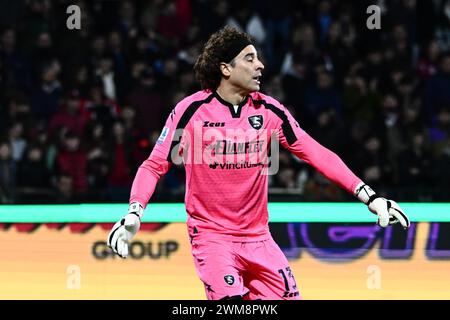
(163, 135)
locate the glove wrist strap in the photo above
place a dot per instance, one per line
(372, 197)
(365, 193)
(137, 209)
(135, 213)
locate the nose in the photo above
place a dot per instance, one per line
(260, 65)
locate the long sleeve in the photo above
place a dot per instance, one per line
(297, 141)
(146, 178)
(159, 161)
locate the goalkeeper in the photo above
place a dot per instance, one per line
(226, 197)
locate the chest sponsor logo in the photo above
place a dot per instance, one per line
(232, 147)
(236, 166)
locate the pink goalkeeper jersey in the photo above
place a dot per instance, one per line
(224, 150)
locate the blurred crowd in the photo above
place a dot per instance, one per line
(81, 109)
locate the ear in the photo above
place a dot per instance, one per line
(225, 69)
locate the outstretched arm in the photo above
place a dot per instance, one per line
(325, 161)
(147, 176)
(144, 184)
(296, 140)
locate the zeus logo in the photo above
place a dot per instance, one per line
(256, 121)
(213, 124)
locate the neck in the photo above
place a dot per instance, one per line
(231, 95)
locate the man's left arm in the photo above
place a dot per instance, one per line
(329, 164)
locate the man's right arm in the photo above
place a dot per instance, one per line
(144, 184)
(157, 164)
(146, 178)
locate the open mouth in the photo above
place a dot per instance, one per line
(257, 79)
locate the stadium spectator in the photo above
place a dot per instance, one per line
(440, 132)
(98, 157)
(428, 63)
(72, 160)
(321, 96)
(99, 107)
(148, 102)
(45, 98)
(7, 174)
(65, 193)
(416, 166)
(17, 140)
(119, 177)
(15, 68)
(32, 171)
(437, 93)
(69, 115)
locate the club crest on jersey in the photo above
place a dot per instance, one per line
(256, 121)
(229, 279)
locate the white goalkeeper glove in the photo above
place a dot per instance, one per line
(125, 229)
(388, 211)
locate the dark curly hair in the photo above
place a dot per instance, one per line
(207, 66)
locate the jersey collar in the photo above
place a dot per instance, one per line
(234, 114)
